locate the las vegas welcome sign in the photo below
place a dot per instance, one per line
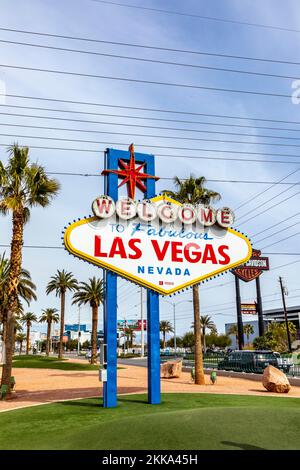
(158, 243)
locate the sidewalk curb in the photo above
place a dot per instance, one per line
(243, 375)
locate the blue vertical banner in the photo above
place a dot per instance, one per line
(110, 305)
(153, 347)
(153, 333)
(112, 157)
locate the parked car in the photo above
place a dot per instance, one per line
(249, 361)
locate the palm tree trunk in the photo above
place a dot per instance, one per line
(62, 324)
(12, 294)
(94, 334)
(27, 339)
(4, 326)
(21, 346)
(199, 372)
(48, 339)
(164, 339)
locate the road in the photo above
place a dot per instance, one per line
(140, 362)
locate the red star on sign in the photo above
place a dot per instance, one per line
(131, 174)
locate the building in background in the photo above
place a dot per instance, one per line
(71, 331)
(36, 338)
(277, 315)
(255, 334)
(293, 315)
(272, 315)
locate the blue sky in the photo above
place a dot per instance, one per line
(86, 18)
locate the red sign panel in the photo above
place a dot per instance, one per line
(253, 267)
(139, 325)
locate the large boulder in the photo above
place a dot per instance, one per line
(274, 380)
(171, 369)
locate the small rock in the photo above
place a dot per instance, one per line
(171, 369)
(274, 380)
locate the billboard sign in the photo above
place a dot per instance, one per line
(249, 309)
(75, 326)
(158, 243)
(134, 324)
(252, 268)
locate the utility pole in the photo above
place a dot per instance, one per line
(283, 293)
(239, 314)
(124, 333)
(79, 333)
(142, 326)
(175, 344)
(261, 325)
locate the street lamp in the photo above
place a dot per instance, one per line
(174, 314)
(79, 333)
(142, 323)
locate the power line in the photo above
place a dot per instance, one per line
(269, 208)
(162, 147)
(211, 180)
(266, 202)
(282, 239)
(146, 82)
(160, 110)
(152, 61)
(247, 299)
(182, 315)
(157, 48)
(55, 118)
(57, 247)
(199, 139)
(202, 17)
(265, 190)
(278, 231)
(282, 253)
(252, 160)
(275, 225)
(147, 118)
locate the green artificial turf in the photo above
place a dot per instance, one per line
(182, 421)
(43, 362)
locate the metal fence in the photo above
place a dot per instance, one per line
(214, 361)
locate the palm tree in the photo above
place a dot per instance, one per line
(26, 290)
(193, 191)
(49, 316)
(234, 331)
(20, 338)
(248, 330)
(206, 323)
(165, 327)
(23, 185)
(62, 282)
(130, 335)
(91, 293)
(27, 319)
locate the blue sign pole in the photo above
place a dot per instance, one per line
(153, 338)
(110, 306)
(153, 347)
